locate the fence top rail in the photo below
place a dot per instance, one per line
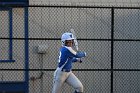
(69, 6)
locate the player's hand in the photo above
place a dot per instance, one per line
(79, 60)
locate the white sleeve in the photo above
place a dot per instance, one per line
(71, 50)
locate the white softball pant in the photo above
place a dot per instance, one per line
(60, 77)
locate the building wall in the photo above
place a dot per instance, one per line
(89, 24)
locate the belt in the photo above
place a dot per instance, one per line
(66, 70)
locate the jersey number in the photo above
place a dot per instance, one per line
(59, 57)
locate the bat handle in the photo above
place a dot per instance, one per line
(81, 60)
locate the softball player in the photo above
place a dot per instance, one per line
(63, 73)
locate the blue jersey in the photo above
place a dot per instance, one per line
(67, 56)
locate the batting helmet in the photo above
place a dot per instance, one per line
(66, 36)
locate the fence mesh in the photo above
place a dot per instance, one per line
(111, 40)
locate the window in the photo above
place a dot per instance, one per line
(6, 35)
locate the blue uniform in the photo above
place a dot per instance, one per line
(68, 56)
(63, 72)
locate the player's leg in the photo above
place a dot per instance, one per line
(57, 84)
(75, 83)
(59, 79)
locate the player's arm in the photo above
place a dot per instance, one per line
(76, 60)
(78, 54)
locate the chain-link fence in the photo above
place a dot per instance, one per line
(109, 35)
